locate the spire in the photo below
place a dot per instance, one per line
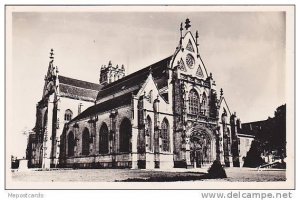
(187, 24)
(197, 36)
(109, 64)
(181, 29)
(56, 70)
(51, 55)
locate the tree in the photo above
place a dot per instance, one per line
(253, 158)
(216, 170)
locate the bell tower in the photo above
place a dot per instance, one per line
(110, 73)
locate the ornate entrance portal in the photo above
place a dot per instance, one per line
(201, 147)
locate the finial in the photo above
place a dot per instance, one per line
(57, 70)
(210, 75)
(122, 67)
(181, 34)
(150, 70)
(197, 36)
(51, 54)
(187, 23)
(109, 64)
(221, 92)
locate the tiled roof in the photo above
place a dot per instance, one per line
(105, 106)
(253, 128)
(78, 83)
(77, 89)
(159, 73)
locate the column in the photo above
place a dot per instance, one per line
(134, 148)
(47, 134)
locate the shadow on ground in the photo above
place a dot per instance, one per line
(168, 177)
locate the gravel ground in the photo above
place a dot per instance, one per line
(113, 175)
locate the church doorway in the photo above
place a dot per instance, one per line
(201, 149)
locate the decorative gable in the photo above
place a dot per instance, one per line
(186, 57)
(199, 72)
(181, 65)
(190, 47)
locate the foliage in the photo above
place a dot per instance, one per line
(216, 170)
(253, 158)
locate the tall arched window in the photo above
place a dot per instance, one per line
(165, 135)
(125, 135)
(193, 102)
(103, 139)
(203, 104)
(85, 142)
(149, 133)
(150, 96)
(71, 144)
(68, 115)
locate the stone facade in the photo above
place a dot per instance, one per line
(163, 116)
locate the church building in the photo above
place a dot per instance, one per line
(166, 115)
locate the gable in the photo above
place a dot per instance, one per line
(224, 108)
(187, 58)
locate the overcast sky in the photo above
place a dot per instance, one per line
(245, 51)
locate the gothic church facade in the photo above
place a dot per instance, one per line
(166, 115)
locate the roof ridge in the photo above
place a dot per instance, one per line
(78, 80)
(80, 87)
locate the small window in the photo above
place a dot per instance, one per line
(68, 115)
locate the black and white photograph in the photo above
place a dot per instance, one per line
(149, 97)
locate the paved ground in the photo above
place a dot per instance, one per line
(112, 175)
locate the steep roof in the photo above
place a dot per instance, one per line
(159, 73)
(78, 89)
(105, 106)
(253, 128)
(132, 84)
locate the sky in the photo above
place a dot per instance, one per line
(245, 52)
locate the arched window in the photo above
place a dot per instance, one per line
(125, 135)
(203, 104)
(103, 139)
(71, 144)
(150, 96)
(149, 133)
(193, 102)
(165, 135)
(68, 115)
(224, 116)
(85, 142)
(204, 99)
